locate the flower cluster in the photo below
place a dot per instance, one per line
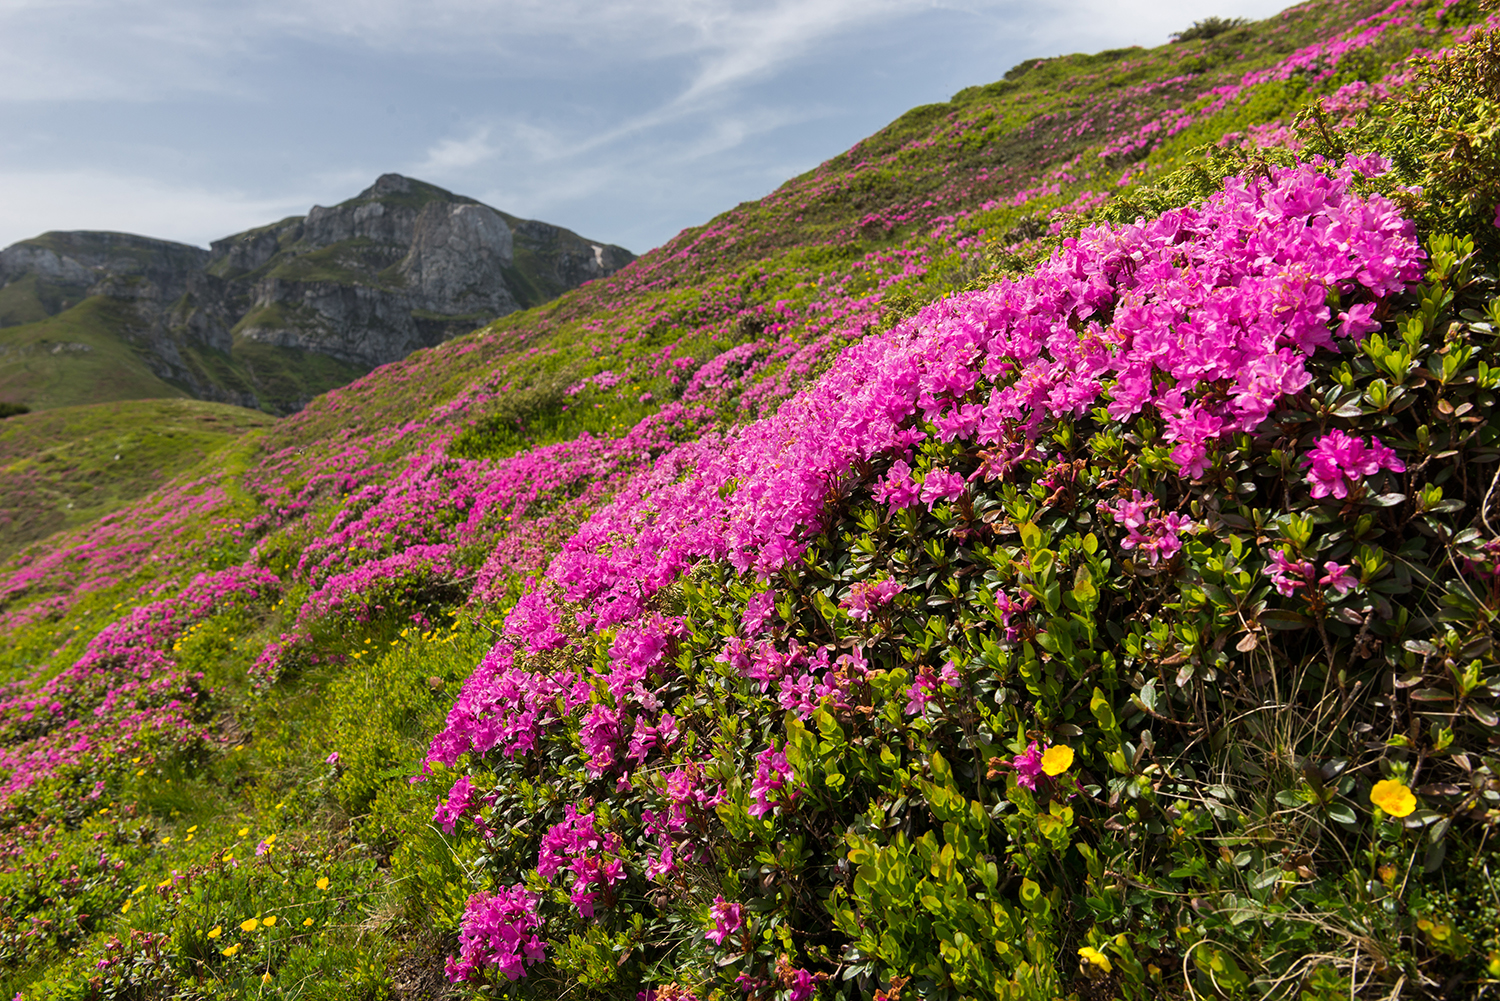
(775, 782)
(1340, 462)
(500, 931)
(1156, 536)
(591, 857)
(1290, 576)
(866, 597)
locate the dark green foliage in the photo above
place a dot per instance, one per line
(12, 409)
(1209, 27)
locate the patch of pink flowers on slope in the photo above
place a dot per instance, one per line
(125, 688)
(1233, 293)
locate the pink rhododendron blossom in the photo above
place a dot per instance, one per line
(1339, 461)
(1028, 765)
(460, 799)
(774, 782)
(1157, 536)
(941, 485)
(499, 930)
(866, 597)
(804, 984)
(898, 490)
(727, 920)
(1338, 577)
(590, 856)
(1287, 575)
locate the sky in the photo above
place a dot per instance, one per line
(625, 121)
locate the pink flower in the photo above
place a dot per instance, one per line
(460, 798)
(865, 597)
(1339, 461)
(1338, 577)
(773, 782)
(940, 485)
(1028, 765)
(898, 490)
(1287, 575)
(727, 920)
(498, 930)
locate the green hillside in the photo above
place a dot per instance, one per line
(71, 465)
(1043, 552)
(81, 355)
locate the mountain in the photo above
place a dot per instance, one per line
(1044, 551)
(271, 317)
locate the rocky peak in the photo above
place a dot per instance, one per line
(456, 257)
(402, 265)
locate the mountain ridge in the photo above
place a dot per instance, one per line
(402, 265)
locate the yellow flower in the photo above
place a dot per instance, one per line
(307, 923)
(125, 908)
(322, 882)
(269, 921)
(1057, 759)
(218, 930)
(1094, 957)
(249, 924)
(244, 831)
(1393, 797)
(231, 950)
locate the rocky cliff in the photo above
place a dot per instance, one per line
(272, 316)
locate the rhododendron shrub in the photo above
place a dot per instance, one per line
(1041, 517)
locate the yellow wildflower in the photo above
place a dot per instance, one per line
(307, 923)
(126, 907)
(269, 921)
(244, 831)
(1394, 797)
(1057, 759)
(217, 931)
(322, 882)
(249, 924)
(231, 950)
(1093, 957)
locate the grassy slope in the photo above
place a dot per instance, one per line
(43, 367)
(68, 466)
(829, 236)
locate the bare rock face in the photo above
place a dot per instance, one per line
(401, 266)
(48, 265)
(456, 260)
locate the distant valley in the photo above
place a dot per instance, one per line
(271, 317)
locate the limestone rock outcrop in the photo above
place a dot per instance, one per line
(401, 266)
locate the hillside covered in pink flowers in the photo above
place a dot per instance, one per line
(1044, 552)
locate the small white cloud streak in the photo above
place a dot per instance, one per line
(450, 155)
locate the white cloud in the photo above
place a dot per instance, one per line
(450, 155)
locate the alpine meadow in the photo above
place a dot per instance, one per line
(1048, 551)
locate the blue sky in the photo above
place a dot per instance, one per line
(626, 121)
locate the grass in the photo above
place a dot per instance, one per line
(77, 357)
(64, 467)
